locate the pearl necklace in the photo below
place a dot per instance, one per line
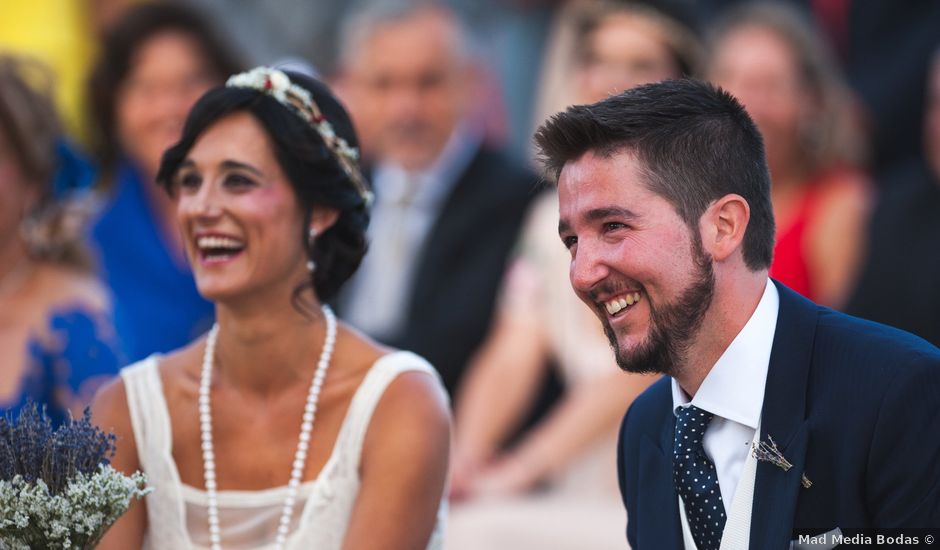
(300, 456)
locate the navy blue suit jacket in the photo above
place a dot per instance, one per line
(852, 404)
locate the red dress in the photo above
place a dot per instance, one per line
(790, 265)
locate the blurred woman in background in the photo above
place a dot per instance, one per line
(155, 63)
(556, 486)
(903, 237)
(654, 41)
(769, 57)
(56, 334)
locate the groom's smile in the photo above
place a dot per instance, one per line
(619, 304)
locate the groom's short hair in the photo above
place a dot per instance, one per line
(695, 142)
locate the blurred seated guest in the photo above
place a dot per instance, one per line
(903, 239)
(58, 35)
(555, 487)
(448, 206)
(770, 58)
(56, 331)
(155, 62)
(637, 42)
(273, 211)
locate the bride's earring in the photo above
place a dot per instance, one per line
(311, 265)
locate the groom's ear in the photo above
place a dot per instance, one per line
(723, 226)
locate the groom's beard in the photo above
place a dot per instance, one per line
(673, 326)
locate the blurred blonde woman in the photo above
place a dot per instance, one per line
(56, 332)
(556, 486)
(771, 59)
(633, 44)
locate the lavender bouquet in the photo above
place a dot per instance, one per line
(57, 487)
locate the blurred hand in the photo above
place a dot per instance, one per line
(465, 468)
(504, 477)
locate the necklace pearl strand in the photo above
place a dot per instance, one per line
(300, 456)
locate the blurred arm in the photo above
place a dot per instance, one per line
(584, 417)
(110, 413)
(837, 242)
(499, 388)
(404, 467)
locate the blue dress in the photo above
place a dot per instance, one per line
(156, 305)
(64, 369)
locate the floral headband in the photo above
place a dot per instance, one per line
(277, 84)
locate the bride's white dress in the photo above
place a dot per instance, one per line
(177, 513)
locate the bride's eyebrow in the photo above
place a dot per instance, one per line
(235, 165)
(226, 164)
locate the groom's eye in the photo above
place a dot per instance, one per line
(569, 241)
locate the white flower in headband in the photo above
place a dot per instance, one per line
(277, 84)
(279, 81)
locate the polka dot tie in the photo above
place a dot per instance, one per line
(696, 480)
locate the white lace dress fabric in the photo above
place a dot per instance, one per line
(177, 513)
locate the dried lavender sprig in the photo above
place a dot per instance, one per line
(770, 453)
(32, 449)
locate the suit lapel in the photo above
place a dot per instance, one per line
(657, 500)
(783, 419)
(444, 240)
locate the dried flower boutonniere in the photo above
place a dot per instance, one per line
(768, 452)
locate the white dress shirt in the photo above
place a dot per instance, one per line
(734, 392)
(405, 209)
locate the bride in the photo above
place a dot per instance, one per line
(281, 428)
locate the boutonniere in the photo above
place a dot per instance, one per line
(768, 452)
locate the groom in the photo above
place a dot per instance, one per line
(665, 209)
